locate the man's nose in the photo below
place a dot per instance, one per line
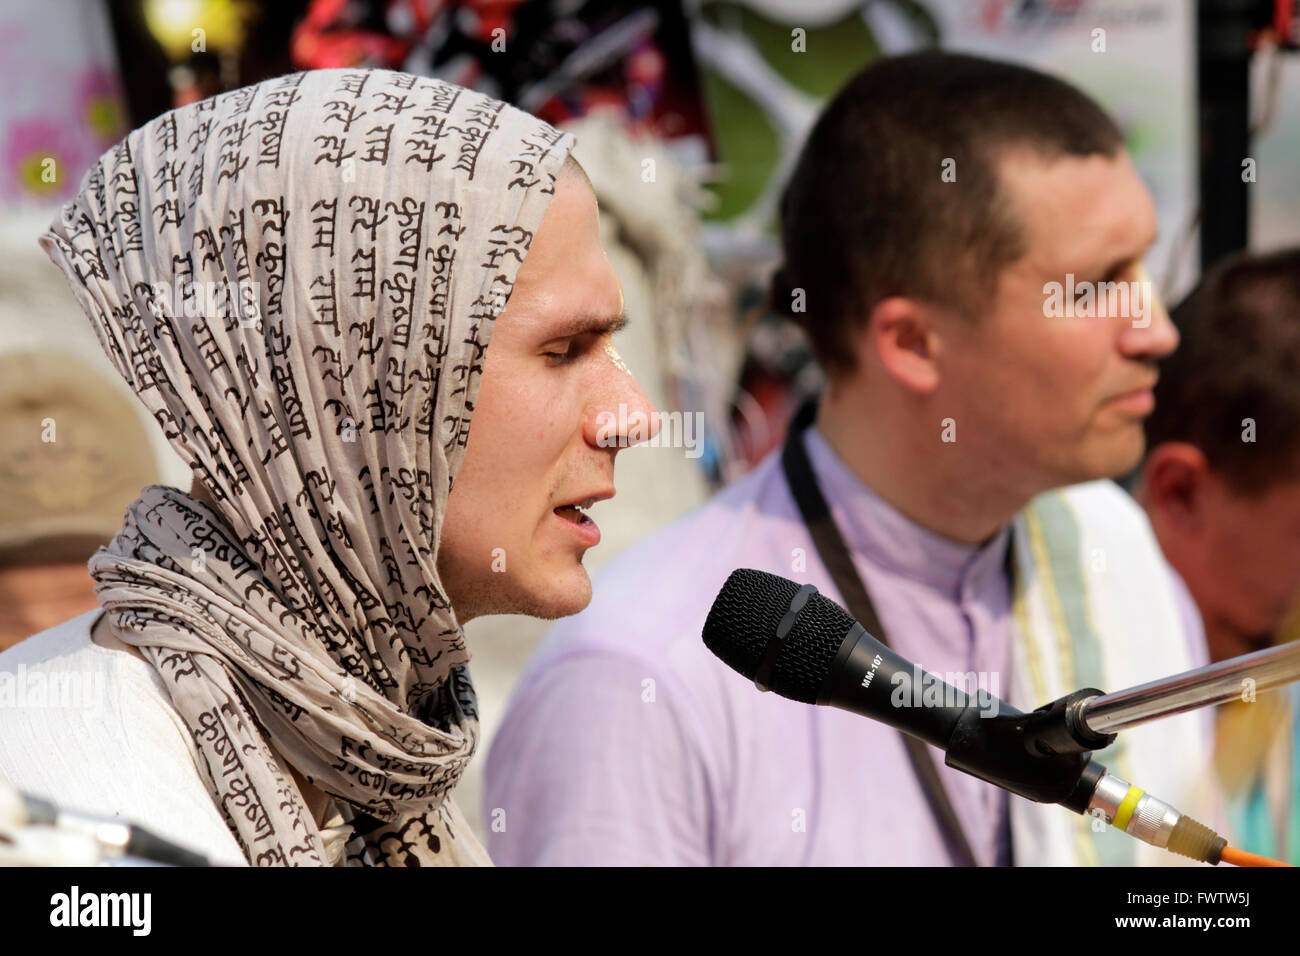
(1149, 332)
(622, 413)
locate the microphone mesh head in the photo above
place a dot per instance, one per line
(744, 619)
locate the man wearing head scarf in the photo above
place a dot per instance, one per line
(300, 280)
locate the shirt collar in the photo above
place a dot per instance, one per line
(876, 530)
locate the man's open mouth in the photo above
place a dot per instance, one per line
(573, 513)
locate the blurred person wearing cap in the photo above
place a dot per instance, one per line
(73, 454)
(1221, 483)
(963, 445)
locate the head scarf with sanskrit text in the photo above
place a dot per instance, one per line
(300, 279)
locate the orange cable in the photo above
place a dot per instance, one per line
(1242, 858)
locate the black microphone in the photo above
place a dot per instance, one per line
(795, 642)
(791, 640)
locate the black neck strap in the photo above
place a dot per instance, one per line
(835, 555)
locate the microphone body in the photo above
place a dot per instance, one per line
(871, 679)
(792, 640)
(798, 643)
(979, 733)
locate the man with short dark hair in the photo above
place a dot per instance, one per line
(1221, 480)
(939, 209)
(1221, 484)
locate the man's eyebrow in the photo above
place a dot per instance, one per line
(590, 324)
(1108, 270)
(1123, 261)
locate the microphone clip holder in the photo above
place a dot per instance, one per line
(993, 747)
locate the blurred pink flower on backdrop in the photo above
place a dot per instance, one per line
(100, 104)
(28, 145)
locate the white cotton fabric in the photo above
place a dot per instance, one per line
(94, 730)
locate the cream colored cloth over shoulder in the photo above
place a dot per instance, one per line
(94, 730)
(1094, 606)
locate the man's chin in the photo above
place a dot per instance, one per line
(1126, 462)
(563, 594)
(1112, 457)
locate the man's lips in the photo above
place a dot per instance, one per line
(574, 514)
(586, 501)
(1141, 391)
(1140, 402)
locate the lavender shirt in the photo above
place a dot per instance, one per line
(627, 742)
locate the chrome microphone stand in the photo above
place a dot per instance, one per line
(1236, 677)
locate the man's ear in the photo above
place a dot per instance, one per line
(901, 336)
(1175, 479)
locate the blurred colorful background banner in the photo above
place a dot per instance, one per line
(62, 104)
